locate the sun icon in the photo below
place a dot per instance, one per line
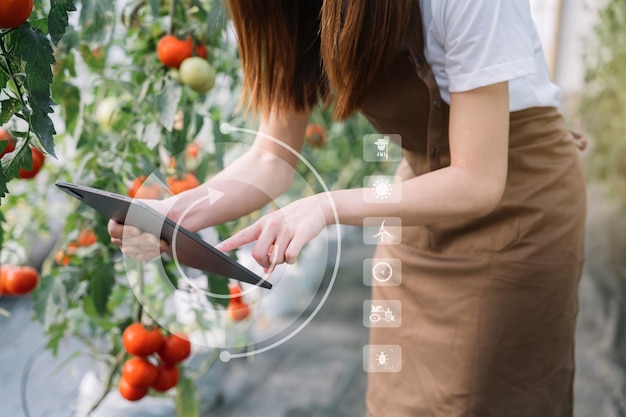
(382, 188)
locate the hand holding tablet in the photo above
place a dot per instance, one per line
(187, 248)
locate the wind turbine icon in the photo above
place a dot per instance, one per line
(382, 233)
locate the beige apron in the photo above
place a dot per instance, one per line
(488, 305)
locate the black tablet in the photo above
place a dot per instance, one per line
(190, 249)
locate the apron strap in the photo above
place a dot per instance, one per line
(438, 147)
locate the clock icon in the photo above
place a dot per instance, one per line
(382, 272)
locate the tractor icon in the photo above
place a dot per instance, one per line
(379, 313)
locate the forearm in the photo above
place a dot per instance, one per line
(245, 185)
(251, 181)
(444, 195)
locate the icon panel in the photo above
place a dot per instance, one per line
(382, 230)
(382, 272)
(382, 358)
(382, 313)
(382, 189)
(382, 148)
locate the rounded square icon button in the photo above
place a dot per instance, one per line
(382, 358)
(382, 313)
(382, 230)
(382, 189)
(382, 272)
(382, 148)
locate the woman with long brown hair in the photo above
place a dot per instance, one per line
(492, 198)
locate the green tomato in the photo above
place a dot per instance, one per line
(107, 112)
(197, 73)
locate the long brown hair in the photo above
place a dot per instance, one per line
(297, 52)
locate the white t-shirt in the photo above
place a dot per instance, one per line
(473, 43)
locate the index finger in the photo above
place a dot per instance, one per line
(247, 235)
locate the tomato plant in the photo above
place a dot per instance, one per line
(14, 12)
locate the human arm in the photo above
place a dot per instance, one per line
(470, 187)
(247, 184)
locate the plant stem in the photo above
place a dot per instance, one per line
(139, 306)
(171, 11)
(109, 380)
(6, 32)
(9, 71)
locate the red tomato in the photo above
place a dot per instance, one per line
(4, 271)
(167, 378)
(172, 51)
(178, 185)
(139, 341)
(10, 146)
(86, 237)
(175, 348)
(139, 189)
(315, 135)
(237, 310)
(130, 392)
(38, 159)
(139, 372)
(14, 12)
(21, 280)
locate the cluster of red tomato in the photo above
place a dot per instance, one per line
(38, 156)
(86, 237)
(191, 63)
(154, 361)
(176, 183)
(17, 280)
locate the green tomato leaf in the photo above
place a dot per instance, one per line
(100, 286)
(55, 334)
(34, 48)
(57, 18)
(186, 400)
(96, 18)
(218, 285)
(151, 135)
(40, 24)
(4, 78)
(167, 103)
(8, 108)
(2, 219)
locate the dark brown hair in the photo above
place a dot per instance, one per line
(295, 52)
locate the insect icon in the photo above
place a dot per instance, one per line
(382, 359)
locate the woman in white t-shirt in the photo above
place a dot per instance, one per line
(491, 194)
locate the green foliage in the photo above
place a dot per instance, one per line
(604, 101)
